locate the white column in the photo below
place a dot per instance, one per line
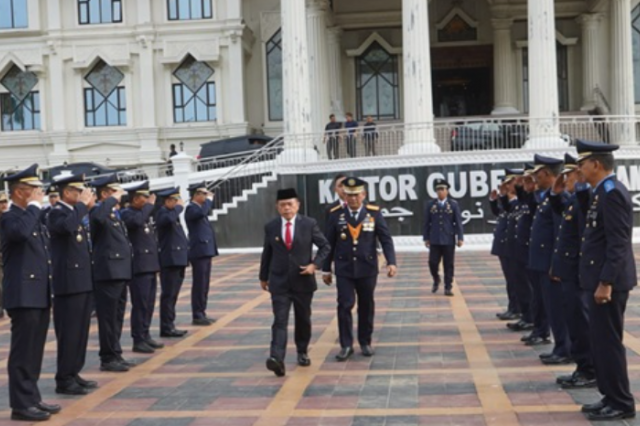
(504, 72)
(622, 94)
(299, 146)
(590, 58)
(234, 9)
(55, 79)
(543, 77)
(237, 107)
(318, 62)
(336, 102)
(144, 12)
(418, 96)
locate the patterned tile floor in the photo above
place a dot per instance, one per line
(440, 361)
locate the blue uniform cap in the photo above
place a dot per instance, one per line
(28, 176)
(75, 181)
(109, 181)
(510, 174)
(139, 189)
(353, 185)
(198, 187)
(528, 169)
(587, 149)
(441, 183)
(52, 191)
(170, 193)
(540, 162)
(570, 164)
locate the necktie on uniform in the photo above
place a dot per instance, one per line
(288, 241)
(354, 214)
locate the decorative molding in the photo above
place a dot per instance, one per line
(566, 41)
(85, 57)
(453, 12)
(205, 51)
(374, 37)
(270, 23)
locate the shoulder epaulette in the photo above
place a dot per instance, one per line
(373, 208)
(336, 208)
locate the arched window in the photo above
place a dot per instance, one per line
(274, 76)
(194, 97)
(377, 84)
(635, 30)
(20, 104)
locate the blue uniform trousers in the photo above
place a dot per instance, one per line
(143, 289)
(577, 319)
(348, 289)
(111, 302)
(537, 306)
(170, 282)
(553, 300)
(201, 270)
(507, 265)
(72, 319)
(446, 254)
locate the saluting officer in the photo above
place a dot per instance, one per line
(112, 271)
(352, 232)
(53, 194)
(608, 273)
(27, 297)
(137, 217)
(202, 249)
(72, 283)
(173, 249)
(442, 231)
(568, 196)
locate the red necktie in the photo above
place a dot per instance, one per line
(287, 236)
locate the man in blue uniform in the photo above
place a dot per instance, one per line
(353, 232)
(146, 265)
(72, 283)
(608, 273)
(568, 196)
(442, 231)
(53, 195)
(4, 205)
(202, 249)
(173, 249)
(287, 271)
(27, 296)
(112, 271)
(544, 231)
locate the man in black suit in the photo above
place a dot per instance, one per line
(608, 272)
(146, 266)
(112, 271)
(72, 284)
(287, 271)
(172, 245)
(27, 296)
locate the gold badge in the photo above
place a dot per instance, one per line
(79, 238)
(569, 217)
(343, 236)
(352, 182)
(355, 242)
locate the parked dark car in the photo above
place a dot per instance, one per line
(232, 150)
(488, 135)
(92, 170)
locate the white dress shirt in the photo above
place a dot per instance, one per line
(284, 228)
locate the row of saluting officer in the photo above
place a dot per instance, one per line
(564, 239)
(92, 251)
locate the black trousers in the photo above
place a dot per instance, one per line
(446, 254)
(333, 148)
(111, 302)
(522, 286)
(281, 304)
(609, 355)
(28, 337)
(171, 280)
(370, 145)
(577, 318)
(510, 279)
(351, 145)
(72, 319)
(143, 290)
(553, 299)
(538, 310)
(201, 270)
(348, 289)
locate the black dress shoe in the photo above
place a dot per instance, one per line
(48, 408)
(276, 366)
(537, 341)
(344, 354)
(211, 320)
(527, 337)
(154, 344)
(367, 350)
(508, 316)
(557, 360)
(448, 292)
(434, 287)
(520, 326)
(88, 384)
(173, 333)
(31, 414)
(142, 348)
(201, 321)
(127, 362)
(72, 389)
(546, 355)
(594, 408)
(609, 413)
(501, 314)
(579, 381)
(114, 367)
(303, 359)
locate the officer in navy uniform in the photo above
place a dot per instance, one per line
(544, 231)
(287, 271)
(143, 287)
(202, 249)
(352, 232)
(112, 271)
(72, 283)
(608, 273)
(173, 250)
(442, 231)
(27, 294)
(568, 196)
(338, 188)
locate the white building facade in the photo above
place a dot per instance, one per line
(118, 81)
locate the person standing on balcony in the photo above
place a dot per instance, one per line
(608, 273)
(287, 271)
(332, 138)
(351, 127)
(370, 135)
(202, 249)
(441, 233)
(173, 247)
